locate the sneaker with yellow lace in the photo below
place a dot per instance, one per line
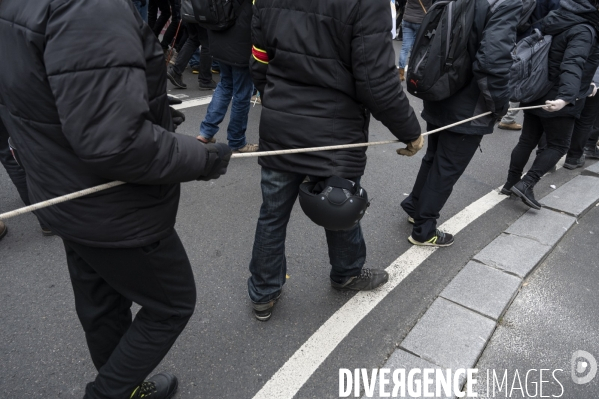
(440, 239)
(160, 386)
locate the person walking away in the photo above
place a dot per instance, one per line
(414, 12)
(575, 158)
(449, 152)
(573, 60)
(198, 36)
(90, 109)
(305, 105)
(232, 49)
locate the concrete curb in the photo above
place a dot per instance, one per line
(457, 327)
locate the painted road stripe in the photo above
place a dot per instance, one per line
(194, 102)
(286, 382)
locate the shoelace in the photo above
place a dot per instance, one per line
(366, 273)
(146, 389)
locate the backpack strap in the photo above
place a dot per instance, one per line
(421, 5)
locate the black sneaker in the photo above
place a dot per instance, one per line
(440, 239)
(574, 163)
(207, 86)
(175, 78)
(591, 152)
(523, 190)
(3, 229)
(263, 311)
(161, 386)
(367, 280)
(46, 232)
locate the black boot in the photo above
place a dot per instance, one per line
(574, 163)
(160, 386)
(175, 78)
(523, 189)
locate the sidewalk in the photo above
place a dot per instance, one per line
(546, 263)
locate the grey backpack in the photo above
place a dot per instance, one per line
(529, 74)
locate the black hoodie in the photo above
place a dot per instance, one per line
(573, 58)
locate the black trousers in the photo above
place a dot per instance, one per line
(165, 13)
(583, 127)
(558, 132)
(447, 156)
(198, 36)
(105, 282)
(175, 14)
(594, 134)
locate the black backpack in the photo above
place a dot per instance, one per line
(216, 14)
(439, 64)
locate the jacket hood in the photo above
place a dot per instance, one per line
(558, 21)
(578, 6)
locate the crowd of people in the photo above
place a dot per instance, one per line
(60, 102)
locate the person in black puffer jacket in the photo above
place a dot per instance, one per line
(573, 59)
(321, 69)
(87, 105)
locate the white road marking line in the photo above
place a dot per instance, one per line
(194, 102)
(288, 380)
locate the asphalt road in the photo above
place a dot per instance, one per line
(224, 352)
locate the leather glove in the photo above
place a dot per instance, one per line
(554, 105)
(412, 147)
(178, 117)
(594, 90)
(173, 101)
(219, 155)
(499, 114)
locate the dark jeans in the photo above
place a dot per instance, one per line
(197, 36)
(583, 127)
(235, 87)
(447, 156)
(172, 29)
(347, 249)
(558, 132)
(594, 135)
(165, 13)
(105, 282)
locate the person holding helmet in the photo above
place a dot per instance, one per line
(318, 87)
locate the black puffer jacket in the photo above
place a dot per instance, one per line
(573, 58)
(234, 45)
(492, 39)
(322, 67)
(86, 105)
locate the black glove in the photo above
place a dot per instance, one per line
(178, 117)
(500, 113)
(219, 155)
(173, 101)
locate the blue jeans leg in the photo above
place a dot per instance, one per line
(409, 35)
(240, 107)
(220, 103)
(347, 250)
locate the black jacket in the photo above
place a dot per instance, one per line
(322, 67)
(573, 60)
(492, 39)
(86, 105)
(234, 45)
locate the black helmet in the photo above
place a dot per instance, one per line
(334, 203)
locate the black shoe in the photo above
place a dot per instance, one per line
(367, 280)
(591, 152)
(3, 229)
(506, 189)
(574, 163)
(208, 86)
(263, 311)
(175, 78)
(440, 239)
(523, 190)
(161, 386)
